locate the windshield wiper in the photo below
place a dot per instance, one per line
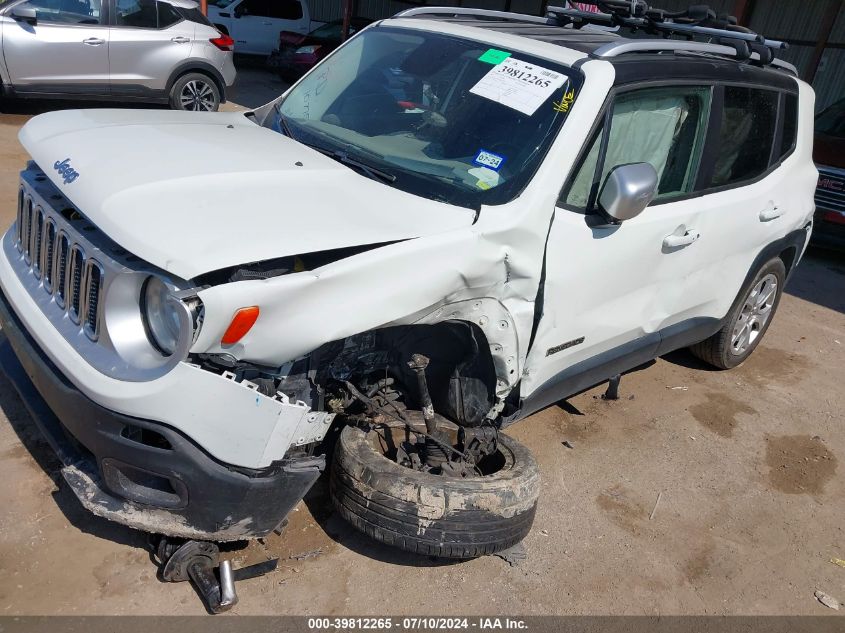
(372, 172)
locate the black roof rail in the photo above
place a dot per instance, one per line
(697, 20)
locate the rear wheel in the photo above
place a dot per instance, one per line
(195, 92)
(748, 320)
(433, 514)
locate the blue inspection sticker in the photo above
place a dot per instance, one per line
(489, 160)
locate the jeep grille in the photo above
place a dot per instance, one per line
(67, 273)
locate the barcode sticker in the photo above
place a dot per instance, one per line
(519, 85)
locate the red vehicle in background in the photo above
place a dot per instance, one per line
(297, 53)
(829, 155)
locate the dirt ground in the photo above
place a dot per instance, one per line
(747, 466)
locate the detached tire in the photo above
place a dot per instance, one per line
(749, 319)
(433, 514)
(195, 92)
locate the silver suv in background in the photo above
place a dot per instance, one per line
(162, 51)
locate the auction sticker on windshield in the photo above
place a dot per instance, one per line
(519, 85)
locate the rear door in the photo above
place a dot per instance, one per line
(750, 194)
(610, 289)
(148, 40)
(65, 51)
(256, 24)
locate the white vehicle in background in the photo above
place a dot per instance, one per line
(255, 24)
(458, 218)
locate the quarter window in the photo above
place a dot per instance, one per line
(746, 135)
(790, 124)
(664, 127)
(66, 11)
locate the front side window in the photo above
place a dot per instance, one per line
(66, 11)
(447, 118)
(746, 136)
(664, 127)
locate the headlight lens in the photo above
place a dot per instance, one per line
(161, 315)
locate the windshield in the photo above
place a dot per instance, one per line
(446, 118)
(831, 122)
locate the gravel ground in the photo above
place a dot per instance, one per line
(746, 463)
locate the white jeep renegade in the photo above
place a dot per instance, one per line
(458, 218)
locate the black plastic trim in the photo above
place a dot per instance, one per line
(214, 501)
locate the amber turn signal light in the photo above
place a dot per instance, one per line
(241, 323)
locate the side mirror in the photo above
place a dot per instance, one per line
(628, 190)
(239, 11)
(25, 14)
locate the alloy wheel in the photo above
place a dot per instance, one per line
(755, 314)
(197, 96)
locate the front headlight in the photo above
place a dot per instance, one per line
(161, 310)
(307, 50)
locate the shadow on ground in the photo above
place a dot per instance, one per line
(820, 279)
(64, 498)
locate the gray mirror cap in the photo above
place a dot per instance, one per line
(628, 190)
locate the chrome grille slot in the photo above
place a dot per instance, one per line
(47, 251)
(74, 282)
(19, 220)
(93, 283)
(60, 275)
(37, 241)
(27, 229)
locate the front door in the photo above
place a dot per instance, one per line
(609, 290)
(65, 51)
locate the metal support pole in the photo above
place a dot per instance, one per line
(347, 18)
(826, 28)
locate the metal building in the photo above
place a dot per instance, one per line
(815, 29)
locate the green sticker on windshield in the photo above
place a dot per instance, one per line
(492, 56)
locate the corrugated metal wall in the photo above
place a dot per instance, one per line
(796, 20)
(325, 10)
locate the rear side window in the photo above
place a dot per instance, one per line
(746, 135)
(145, 14)
(664, 127)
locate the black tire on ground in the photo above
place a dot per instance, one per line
(718, 349)
(195, 92)
(433, 514)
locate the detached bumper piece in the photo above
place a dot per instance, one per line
(141, 473)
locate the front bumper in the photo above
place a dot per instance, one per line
(144, 474)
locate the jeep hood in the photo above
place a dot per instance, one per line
(196, 192)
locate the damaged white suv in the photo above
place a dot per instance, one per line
(458, 218)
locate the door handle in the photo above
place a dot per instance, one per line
(267, 23)
(770, 213)
(94, 41)
(180, 39)
(679, 241)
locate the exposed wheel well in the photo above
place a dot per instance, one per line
(788, 256)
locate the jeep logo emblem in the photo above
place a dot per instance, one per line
(65, 170)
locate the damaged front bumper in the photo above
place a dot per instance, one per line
(141, 473)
